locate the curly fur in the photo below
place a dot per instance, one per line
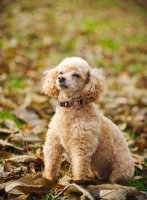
(95, 86)
(49, 84)
(93, 142)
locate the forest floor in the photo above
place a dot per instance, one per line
(39, 34)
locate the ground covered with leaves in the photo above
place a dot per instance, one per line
(39, 34)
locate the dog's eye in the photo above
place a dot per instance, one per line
(76, 75)
(60, 72)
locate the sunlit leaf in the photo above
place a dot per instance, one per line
(78, 189)
(113, 194)
(22, 158)
(5, 144)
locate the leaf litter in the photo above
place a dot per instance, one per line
(33, 38)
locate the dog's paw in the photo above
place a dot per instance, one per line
(47, 176)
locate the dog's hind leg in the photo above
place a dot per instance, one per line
(122, 172)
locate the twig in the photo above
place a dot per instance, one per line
(27, 149)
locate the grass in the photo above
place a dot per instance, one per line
(1, 160)
(141, 185)
(17, 83)
(49, 195)
(4, 115)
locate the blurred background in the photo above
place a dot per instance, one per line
(107, 33)
(111, 34)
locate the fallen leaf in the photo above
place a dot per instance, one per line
(34, 97)
(24, 136)
(28, 185)
(1, 169)
(76, 188)
(30, 180)
(138, 177)
(5, 131)
(5, 154)
(30, 189)
(11, 186)
(139, 160)
(31, 118)
(22, 158)
(129, 190)
(119, 194)
(65, 180)
(10, 124)
(122, 126)
(4, 144)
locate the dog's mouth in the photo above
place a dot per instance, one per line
(63, 86)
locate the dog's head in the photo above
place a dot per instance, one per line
(74, 77)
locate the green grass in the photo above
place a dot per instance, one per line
(49, 195)
(17, 83)
(1, 160)
(141, 185)
(4, 115)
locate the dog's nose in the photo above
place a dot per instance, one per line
(61, 79)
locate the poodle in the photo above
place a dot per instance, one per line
(94, 144)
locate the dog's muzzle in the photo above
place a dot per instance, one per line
(62, 81)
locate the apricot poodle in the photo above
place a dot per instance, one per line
(94, 144)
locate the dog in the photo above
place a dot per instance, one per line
(94, 144)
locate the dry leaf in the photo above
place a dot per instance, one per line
(5, 154)
(139, 160)
(30, 180)
(129, 190)
(1, 170)
(3, 185)
(21, 197)
(22, 158)
(34, 97)
(5, 144)
(18, 170)
(144, 194)
(5, 131)
(78, 189)
(138, 177)
(122, 126)
(8, 103)
(11, 186)
(11, 124)
(23, 188)
(31, 118)
(30, 136)
(30, 189)
(28, 185)
(119, 194)
(65, 180)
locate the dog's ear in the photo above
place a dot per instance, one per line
(49, 82)
(95, 85)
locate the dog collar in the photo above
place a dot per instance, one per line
(70, 103)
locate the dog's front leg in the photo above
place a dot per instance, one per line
(82, 149)
(80, 165)
(52, 157)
